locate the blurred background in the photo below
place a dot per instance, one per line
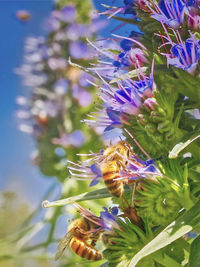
(25, 179)
(16, 170)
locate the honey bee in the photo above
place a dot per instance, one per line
(116, 158)
(131, 213)
(81, 237)
(23, 15)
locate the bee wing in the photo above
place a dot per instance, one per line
(64, 242)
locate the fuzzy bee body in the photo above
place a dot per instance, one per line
(115, 159)
(110, 172)
(84, 250)
(81, 237)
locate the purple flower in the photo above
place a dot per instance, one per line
(83, 79)
(98, 174)
(76, 31)
(139, 169)
(170, 12)
(128, 8)
(84, 98)
(192, 3)
(115, 119)
(52, 24)
(61, 86)
(45, 52)
(77, 138)
(108, 220)
(78, 50)
(57, 49)
(57, 63)
(68, 14)
(193, 18)
(134, 57)
(185, 55)
(63, 140)
(95, 26)
(87, 170)
(121, 102)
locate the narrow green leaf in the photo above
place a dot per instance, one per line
(179, 147)
(166, 260)
(81, 68)
(129, 21)
(128, 75)
(97, 194)
(194, 259)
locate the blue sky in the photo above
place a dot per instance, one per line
(16, 171)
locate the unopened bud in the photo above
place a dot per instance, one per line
(165, 126)
(142, 120)
(150, 127)
(150, 103)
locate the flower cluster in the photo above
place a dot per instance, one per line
(148, 86)
(94, 168)
(58, 89)
(138, 94)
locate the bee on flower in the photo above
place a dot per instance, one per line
(117, 165)
(83, 233)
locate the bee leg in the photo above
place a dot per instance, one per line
(136, 142)
(133, 195)
(94, 238)
(93, 243)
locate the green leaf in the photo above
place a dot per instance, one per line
(97, 194)
(188, 84)
(166, 260)
(129, 21)
(128, 75)
(194, 259)
(172, 232)
(179, 147)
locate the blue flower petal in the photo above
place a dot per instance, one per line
(113, 114)
(96, 170)
(126, 44)
(134, 178)
(149, 161)
(114, 211)
(95, 181)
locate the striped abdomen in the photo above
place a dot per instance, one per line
(110, 171)
(84, 250)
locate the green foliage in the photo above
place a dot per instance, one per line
(81, 7)
(124, 243)
(194, 259)
(158, 202)
(172, 232)
(154, 220)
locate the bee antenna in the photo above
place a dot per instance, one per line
(136, 142)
